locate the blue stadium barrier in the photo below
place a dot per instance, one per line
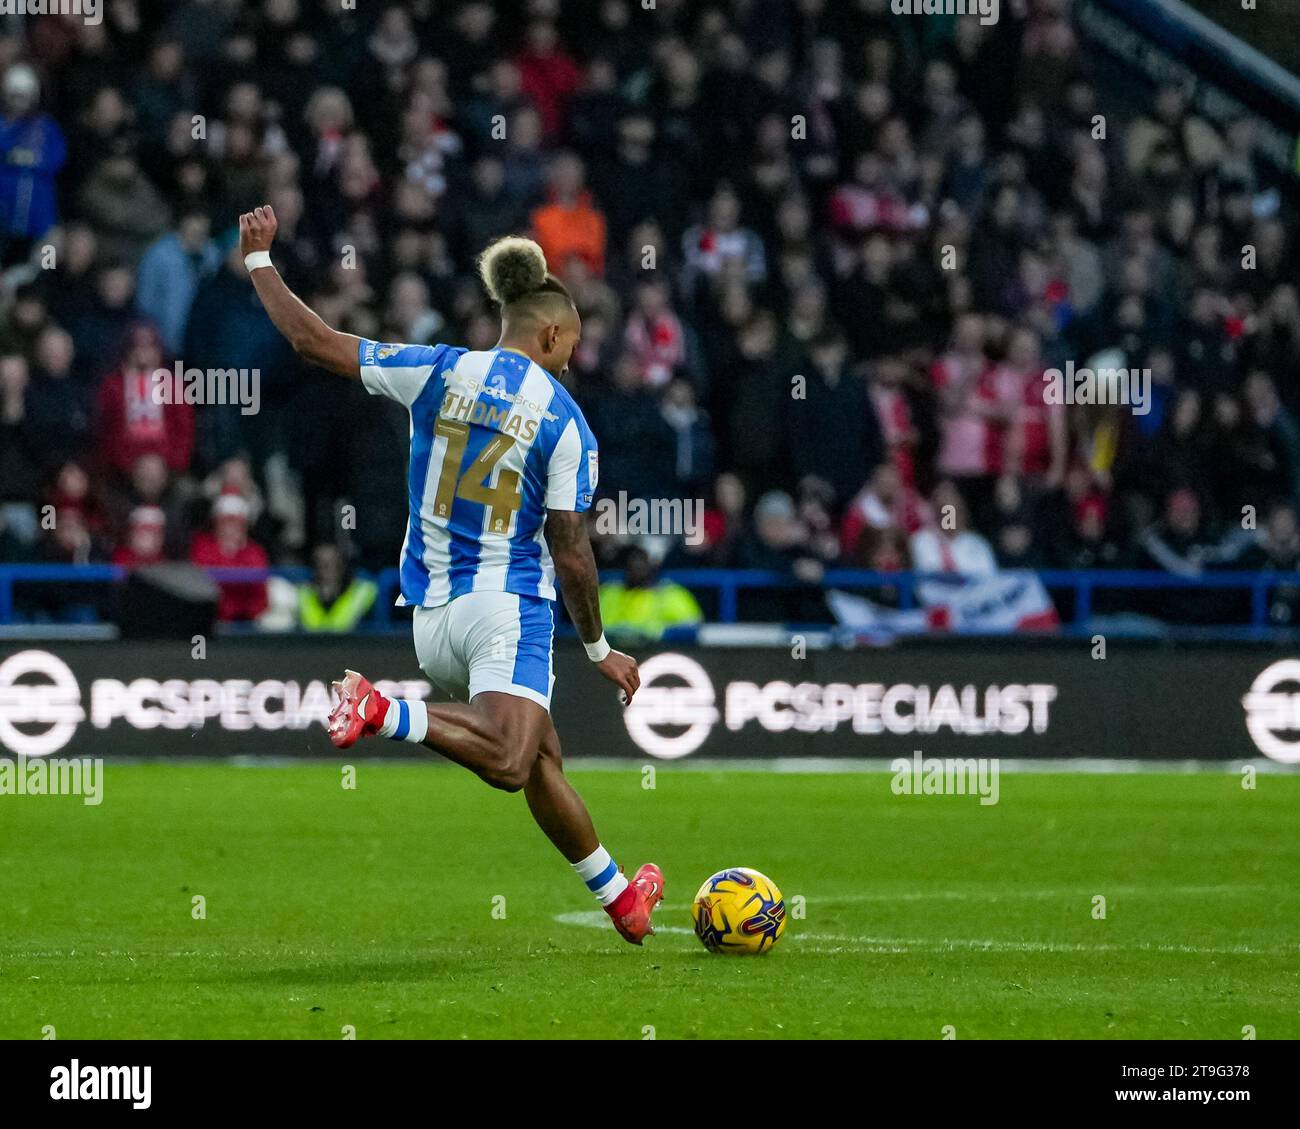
(728, 584)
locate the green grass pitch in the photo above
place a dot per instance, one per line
(374, 908)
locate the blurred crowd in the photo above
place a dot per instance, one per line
(823, 256)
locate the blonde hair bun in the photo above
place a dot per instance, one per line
(512, 268)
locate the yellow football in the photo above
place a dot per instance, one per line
(739, 911)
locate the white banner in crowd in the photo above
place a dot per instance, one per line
(1007, 602)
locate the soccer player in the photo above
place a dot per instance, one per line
(502, 467)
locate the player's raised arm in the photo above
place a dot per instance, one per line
(311, 338)
(575, 568)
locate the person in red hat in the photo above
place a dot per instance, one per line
(144, 538)
(229, 546)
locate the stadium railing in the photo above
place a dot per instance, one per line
(726, 587)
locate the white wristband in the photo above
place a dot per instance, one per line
(599, 649)
(255, 259)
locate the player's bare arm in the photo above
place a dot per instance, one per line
(575, 567)
(310, 337)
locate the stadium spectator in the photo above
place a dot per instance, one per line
(72, 519)
(1015, 543)
(69, 540)
(569, 225)
(483, 208)
(1091, 543)
(141, 408)
(754, 395)
(654, 335)
(1181, 450)
(638, 453)
(335, 599)
(834, 432)
(951, 546)
(885, 505)
(641, 606)
(78, 250)
(163, 90)
(170, 272)
(33, 150)
(634, 183)
(99, 327)
(152, 486)
(1207, 355)
(780, 543)
(145, 539)
(968, 413)
(235, 476)
(723, 526)
(122, 203)
(721, 244)
(1182, 543)
(20, 455)
(892, 406)
(228, 546)
(1274, 442)
(409, 315)
(227, 330)
(1034, 442)
(693, 466)
(816, 502)
(16, 545)
(1274, 346)
(870, 203)
(1278, 550)
(59, 417)
(547, 74)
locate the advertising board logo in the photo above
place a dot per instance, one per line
(40, 704)
(675, 709)
(1273, 711)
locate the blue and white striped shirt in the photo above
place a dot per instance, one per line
(496, 441)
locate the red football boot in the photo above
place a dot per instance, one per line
(631, 910)
(360, 712)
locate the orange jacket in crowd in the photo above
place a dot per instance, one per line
(565, 230)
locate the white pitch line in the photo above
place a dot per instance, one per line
(598, 919)
(1013, 894)
(844, 766)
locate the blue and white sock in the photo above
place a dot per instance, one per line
(602, 876)
(406, 720)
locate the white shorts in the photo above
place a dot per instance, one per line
(488, 641)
